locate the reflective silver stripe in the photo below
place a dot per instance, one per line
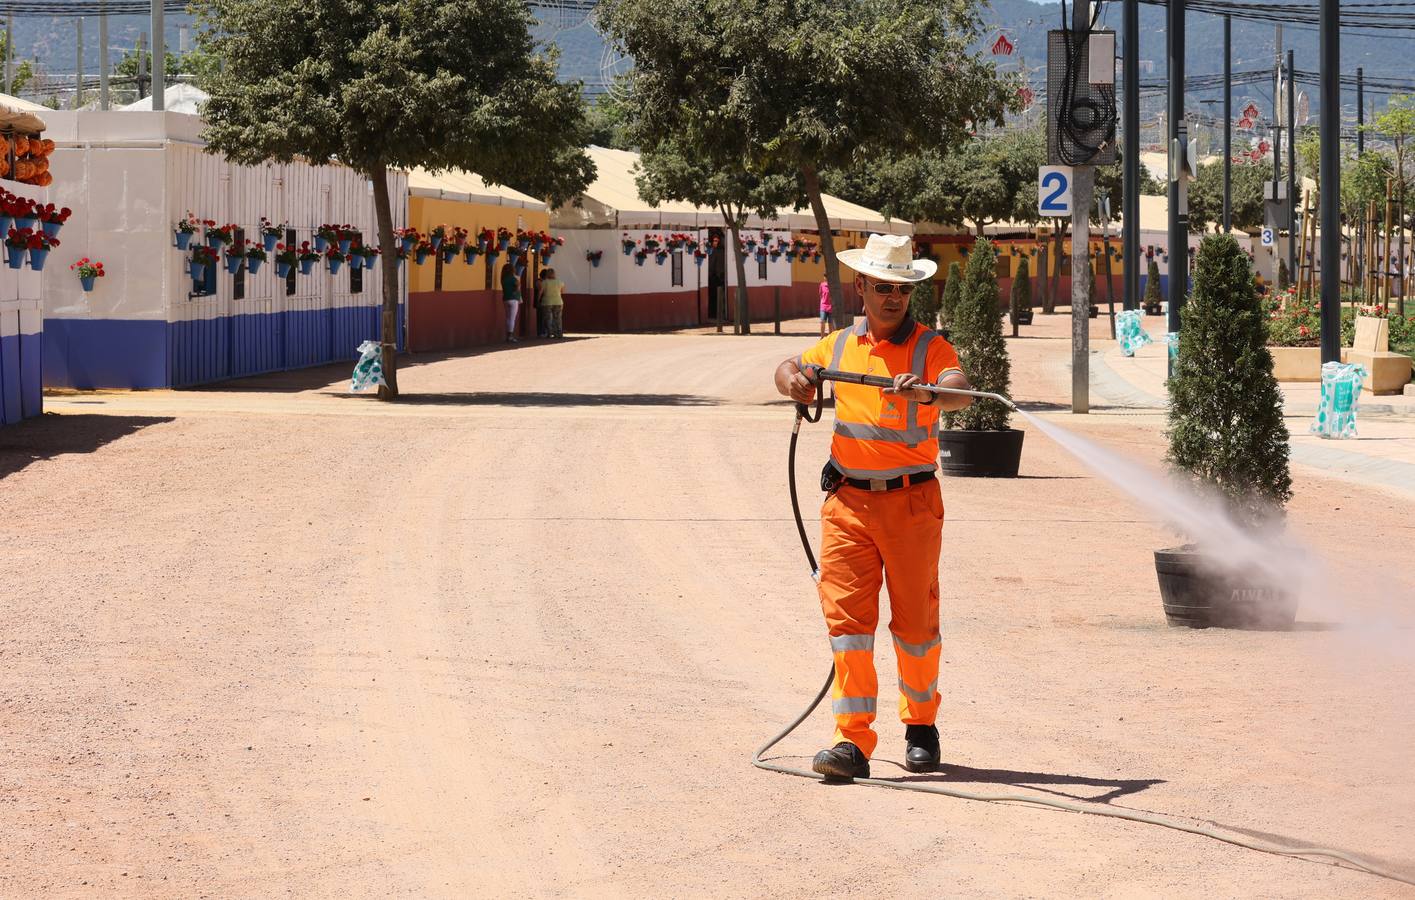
(921, 355)
(913, 435)
(846, 705)
(842, 642)
(946, 372)
(918, 649)
(919, 696)
(863, 326)
(884, 473)
(838, 350)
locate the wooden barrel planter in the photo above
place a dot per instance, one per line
(1196, 597)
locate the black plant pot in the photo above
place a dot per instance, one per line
(1152, 309)
(980, 454)
(1024, 317)
(1197, 597)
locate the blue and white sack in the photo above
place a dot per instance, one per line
(1130, 332)
(368, 371)
(1172, 339)
(1341, 395)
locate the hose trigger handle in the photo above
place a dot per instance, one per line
(812, 373)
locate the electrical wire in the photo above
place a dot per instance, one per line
(1078, 806)
(1085, 125)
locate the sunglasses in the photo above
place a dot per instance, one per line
(885, 288)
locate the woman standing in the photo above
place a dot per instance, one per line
(511, 296)
(552, 303)
(825, 307)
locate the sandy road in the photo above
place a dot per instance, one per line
(222, 674)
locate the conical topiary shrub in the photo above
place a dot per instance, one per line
(1021, 294)
(923, 304)
(1284, 277)
(1225, 414)
(952, 290)
(1152, 287)
(1226, 433)
(982, 351)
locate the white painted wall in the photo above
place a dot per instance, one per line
(129, 176)
(620, 274)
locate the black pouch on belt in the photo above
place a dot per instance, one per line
(831, 477)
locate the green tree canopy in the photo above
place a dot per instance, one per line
(380, 84)
(1206, 195)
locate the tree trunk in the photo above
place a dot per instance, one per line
(1044, 276)
(978, 227)
(739, 259)
(840, 315)
(388, 330)
(1400, 211)
(1060, 254)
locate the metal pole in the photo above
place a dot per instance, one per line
(1130, 210)
(1178, 209)
(1360, 110)
(9, 52)
(142, 65)
(1227, 124)
(1329, 41)
(159, 57)
(1292, 167)
(79, 63)
(102, 59)
(1277, 113)
(1083, 189)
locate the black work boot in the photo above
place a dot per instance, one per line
(920, 748)
(844, 760)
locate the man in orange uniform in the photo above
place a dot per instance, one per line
(883, 509)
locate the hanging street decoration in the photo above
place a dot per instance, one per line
(1002, 46)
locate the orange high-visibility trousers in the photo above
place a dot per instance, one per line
(901, 532)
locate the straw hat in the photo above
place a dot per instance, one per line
(889, 257)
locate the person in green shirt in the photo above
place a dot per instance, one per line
(552, 303)
(511, 296)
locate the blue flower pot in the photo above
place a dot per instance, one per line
(320, 244)
(481, 245)
(594, 263)
(369, 261)
(523, 245)
(659, 258)
(520, 270)
(639, 260)
(540, 245)
(344, 245)
(449, 253)
(87, 283)
(334, 265)
(6, 223)
(436, 242)
(198, 271)
(270, 241)
(356, 262)
(471, 256)
(14, 258)
(37, 258)
(233, 264)
(628, 251)
(502, 242)
(184, 238)
(421, 257)
(253, 264)
(52, 228)
(408, 243)
(282, 270)
(26, 222)
(698, 260)
(213, 240)
(306, 266)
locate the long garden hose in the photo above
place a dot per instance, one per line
(1093, 809)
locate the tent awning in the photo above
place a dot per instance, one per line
(467, 187)
(21, 115)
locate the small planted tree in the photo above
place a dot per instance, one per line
(1284, 277)
(1021, 293)
(952, 291)
(1225, 416)
(982, 351)
(923, 304)
(1152, 287)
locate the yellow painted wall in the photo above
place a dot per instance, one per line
(426, 212)
(807, 271)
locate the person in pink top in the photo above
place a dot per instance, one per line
(825, 307)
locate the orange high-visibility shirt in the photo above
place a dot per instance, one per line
(879, 435)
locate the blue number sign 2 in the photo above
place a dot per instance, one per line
(1058, 181)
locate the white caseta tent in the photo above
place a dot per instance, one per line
(467, 187)
(613, 201)
(179, 97)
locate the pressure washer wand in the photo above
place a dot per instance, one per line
(880, 381)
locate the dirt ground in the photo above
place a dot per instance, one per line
(518, 635)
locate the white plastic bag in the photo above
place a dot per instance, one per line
(1341, 395)
(368, 371)
(1130, 332)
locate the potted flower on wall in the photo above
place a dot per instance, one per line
(182, 234)
(270, 234)
(436, 236)
(235, 255)
(594, 256)
(88, 271)
(202, 257)
(16, 246)
(335, 259)
(370, 255)
(346, 238)
(308, 257)
(423, 250)
(472, 250)
(23, 212)
(255, 257)
(40, 245)
(325, 235)
(355, 256)
(640, 255)
(285, 259)
(51, 219)
(628, 244)
(1226, 437)
(449, 251)
(698, 257)
(503, 238)
(409, 237)
(978, 441)
(219, 235)
(458, 237)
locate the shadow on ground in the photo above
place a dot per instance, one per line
(537, 398)
(956, 774)
(51, 435)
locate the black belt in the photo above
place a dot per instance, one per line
(891, 484)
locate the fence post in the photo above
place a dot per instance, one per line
(776, 301)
